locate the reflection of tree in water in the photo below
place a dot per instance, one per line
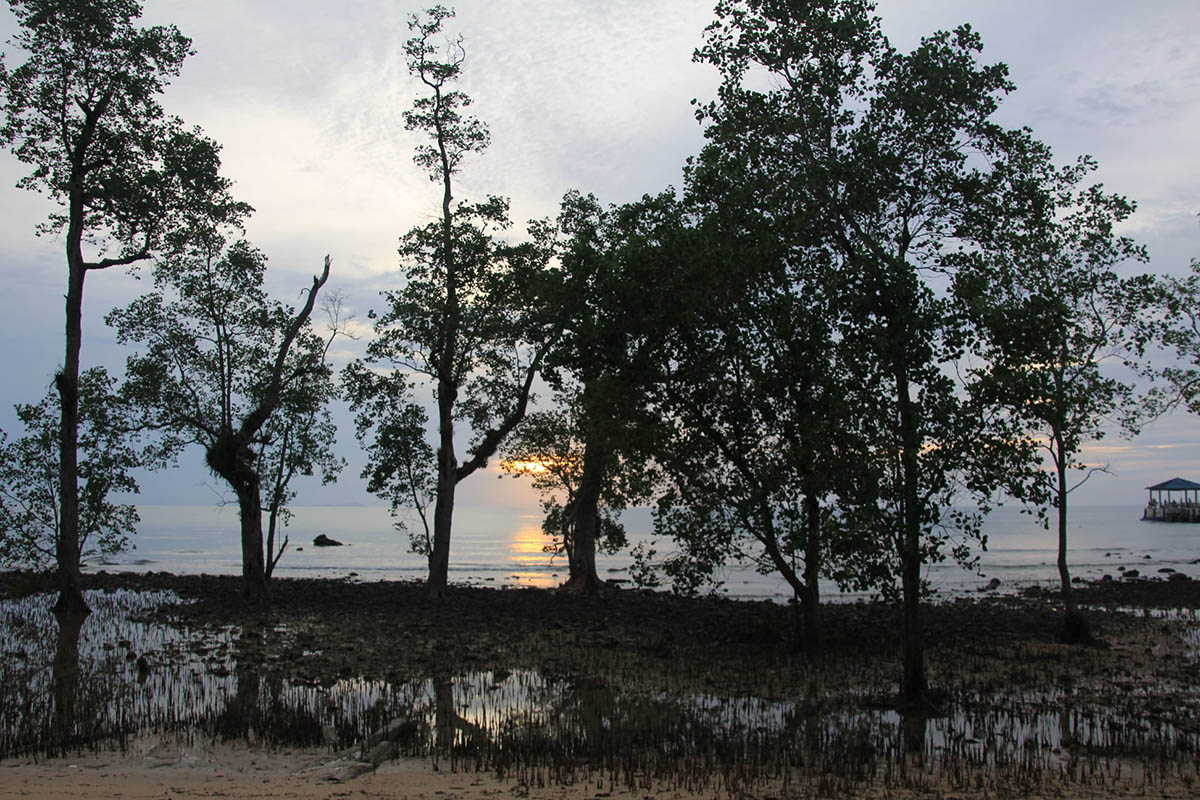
(65, 679)
(913, 726)
(260, 709)
(448, 723)
(585, 723)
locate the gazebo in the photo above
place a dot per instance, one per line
(1173, 508)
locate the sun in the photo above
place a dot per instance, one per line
(525, 466)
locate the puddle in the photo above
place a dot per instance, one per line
(118, 681)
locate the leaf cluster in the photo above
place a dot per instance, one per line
(82, 111)
(29, 482)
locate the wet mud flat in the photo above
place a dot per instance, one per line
(625, 690)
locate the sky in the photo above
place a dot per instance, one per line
(306, 99)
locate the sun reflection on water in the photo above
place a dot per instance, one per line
(528, 556)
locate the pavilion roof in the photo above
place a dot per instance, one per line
(1175, 484)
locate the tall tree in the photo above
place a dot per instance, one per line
(30, 520)
(465, 319)
(83, 112)
(879, 146)
(617, 267)
(1060, 323)
(240, 375)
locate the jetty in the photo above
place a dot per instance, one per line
(1176, 500)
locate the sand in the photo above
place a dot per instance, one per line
(241, 772)
(236, 772)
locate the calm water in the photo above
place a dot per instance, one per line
(503, 547)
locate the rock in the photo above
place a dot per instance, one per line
(1106, 578)
(324, 541)
(1166, 570)
(1178, 576)
(991, 585)
(1146, 556)
(1132, 573)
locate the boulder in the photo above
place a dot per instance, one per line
(324, 541)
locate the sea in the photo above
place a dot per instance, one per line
(504, 547)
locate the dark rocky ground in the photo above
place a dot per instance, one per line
(1012, 710)
(322, 630)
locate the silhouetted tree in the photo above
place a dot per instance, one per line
(465, 320)
(229, 369)
(83, 113)
(1174, 326)
(1058, 319)
(548, 447)
(877, 145)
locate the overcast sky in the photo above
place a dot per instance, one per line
(306, 99)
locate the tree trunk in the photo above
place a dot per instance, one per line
(1064, 573)
(447, 389)
(65, 678)
(812, 572)
(1075, 628)
(439, 556)
(272, 527)
(254, 574)
(585, 515)
(235, 464)
(913, 683)
(447, 482)
(70, 580)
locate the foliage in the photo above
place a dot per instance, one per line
(618, 289)
(1058, 318)
(29, 485)
(400, 462)
(880, 157)
(866, 152)
(1174, 326)
(83, 113)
